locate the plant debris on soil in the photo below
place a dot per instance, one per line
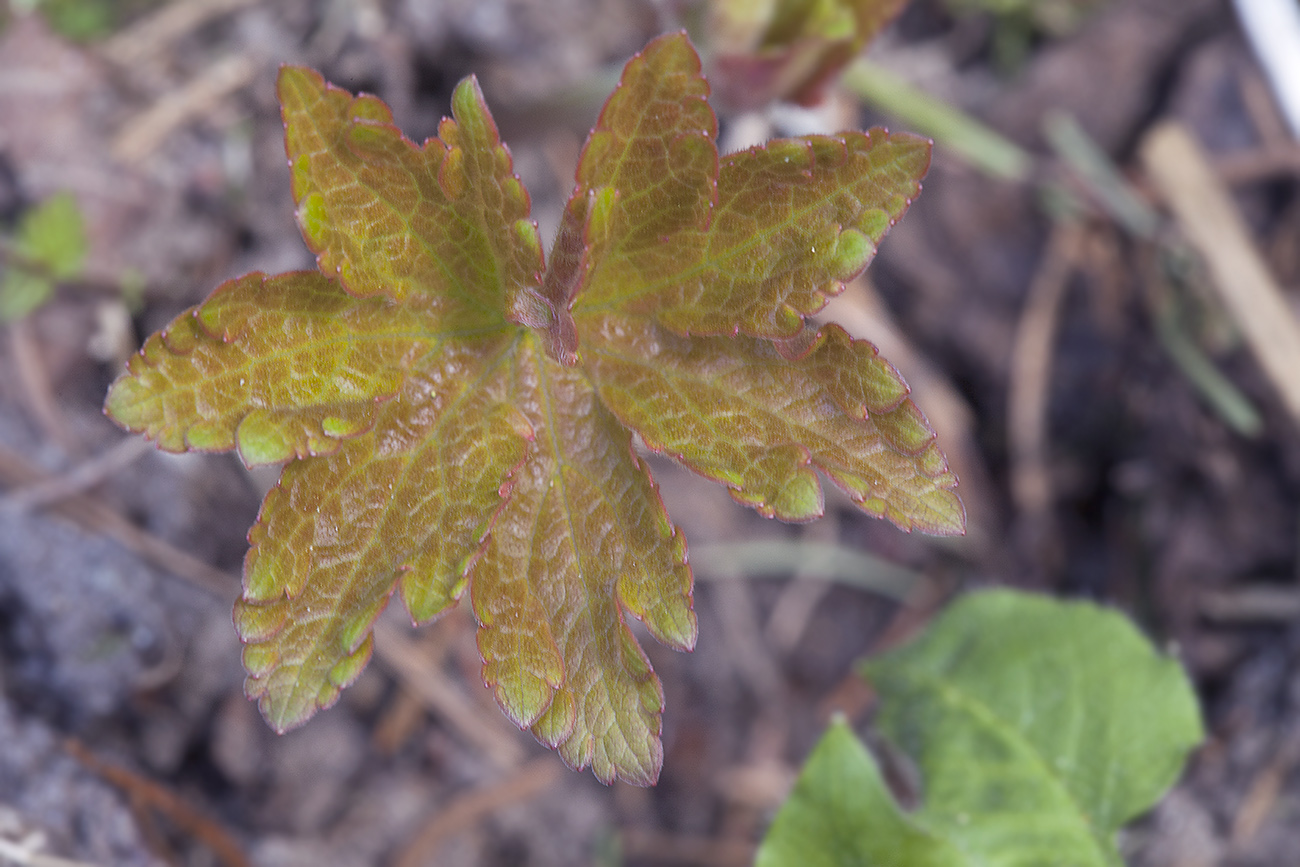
(1061, 355)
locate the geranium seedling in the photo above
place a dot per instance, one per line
(457, 415)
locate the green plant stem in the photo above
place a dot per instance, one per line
(776, 558)
(979, 145)
(1216, 389)
(1094, 167)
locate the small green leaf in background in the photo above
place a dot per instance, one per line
(841, 813)
(1039, 728)
(49, 246)
(79, 20)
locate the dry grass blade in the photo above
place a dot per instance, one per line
(1261, 802)
(1181, 172)
(766, 558)
(152, 35)
(144, 133)
(1252, 604)
(84, 475)
(1030, 388)
(440, 695)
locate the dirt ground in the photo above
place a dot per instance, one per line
(1045, 351)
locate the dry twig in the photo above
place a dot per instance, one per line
(675, 849)
(146, 795)
(152, 35)
(1262, 795)
(1182, 173)
(1259, 604)
(427, 682)
(142, 134)
(37, 392)
(1030, 382)
(96, 516)
(84, 475)
(473, 807)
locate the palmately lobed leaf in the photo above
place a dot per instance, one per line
(794, 220)
(405, 506)
(456, 417)
(277, 367)
(447, 220)
(740, 412)
(583, 538)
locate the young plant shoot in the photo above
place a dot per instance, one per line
(455, 413)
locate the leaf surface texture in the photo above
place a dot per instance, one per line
(459, 416)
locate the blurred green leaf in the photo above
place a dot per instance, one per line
(79, 20)
(87, 20)
(978, 144)
(841, 813)
(21, 292)
(49, 246)
(52, 236)
(1039, 728)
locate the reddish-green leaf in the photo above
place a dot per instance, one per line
(793, 221)
(447, 219)
(742, 413)
(278, 367)
(753, 245)
(404, 506)
(583, 536)
(456, 417)
(653, 150)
